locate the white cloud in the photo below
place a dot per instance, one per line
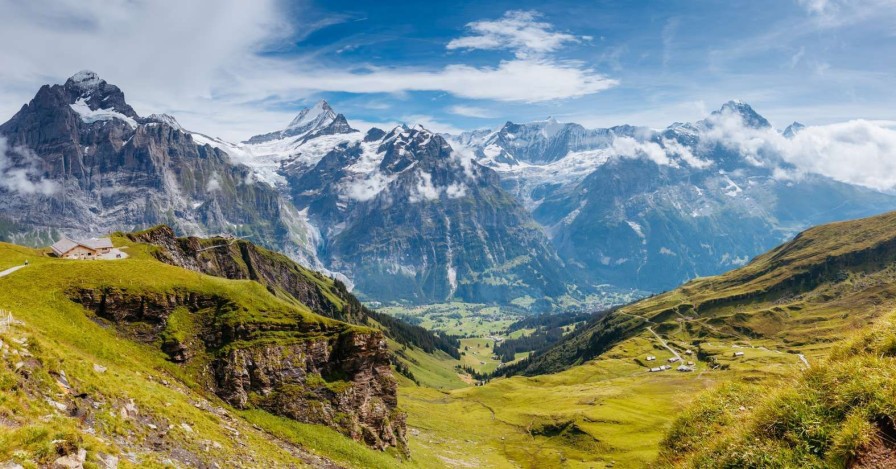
(631, 148)
(527, 80)
(859, 151)
(683, 152)
(203, 61)
(431, 124)
(470, 111)
(20, 171)
(456, 190)
(519, 31)
(425, 189)
(213, 183)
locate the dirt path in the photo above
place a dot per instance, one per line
(664, 343)
(11, 270)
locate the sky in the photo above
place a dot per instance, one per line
(233, 69)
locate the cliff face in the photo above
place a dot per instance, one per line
(242, 260)
(350, 378)
(322, 372)
(93, 166)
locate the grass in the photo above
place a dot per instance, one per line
(436, 370)
(606, 412)
(323, 441)
(63, 337)
(829, 416)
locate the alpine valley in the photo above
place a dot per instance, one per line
(537, 295)
(541, 216)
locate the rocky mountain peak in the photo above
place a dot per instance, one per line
(318, 115)
(319, 119)
(793, 129)
(165, 119)
(745, 111)
(404, 145)
(87, 93)
(85, 80)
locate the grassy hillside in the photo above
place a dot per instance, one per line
(798, 297)
(840, 413)
(70, 380)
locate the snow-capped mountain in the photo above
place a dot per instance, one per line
(648, 209)
(413, 219)
(315, 121)
(78, 160)
(406, 217)
(539, 211)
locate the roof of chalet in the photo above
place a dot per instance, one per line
(66, 244)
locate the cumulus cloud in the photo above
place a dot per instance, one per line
(859, 151)
(685, 153)
(519, 31)
(456, 190)
(20, 171)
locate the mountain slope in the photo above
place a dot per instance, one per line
(801, 295)
(840, 413)
(252, 347)
(238, 260)
(77, 159)
(406, 218)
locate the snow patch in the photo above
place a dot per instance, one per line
(89, 116)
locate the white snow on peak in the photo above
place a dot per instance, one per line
(165, 119)
(266, 159)
(365, 181)
(90, 116)
(86, 79)
(319, 115)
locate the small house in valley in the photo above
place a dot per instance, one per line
(92, 248)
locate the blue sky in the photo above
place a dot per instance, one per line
(236, 68)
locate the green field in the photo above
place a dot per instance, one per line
(608, 412)
(458, 319)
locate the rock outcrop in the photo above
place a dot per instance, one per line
(313, 371)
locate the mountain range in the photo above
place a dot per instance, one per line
(538, 215)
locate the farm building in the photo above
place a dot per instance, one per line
(67, 248)
(674, 359)
(650, 358)
(738, 354)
